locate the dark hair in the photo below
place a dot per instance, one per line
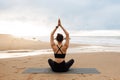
(59, 37)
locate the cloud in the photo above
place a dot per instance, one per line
(75, 14)
(106, 17)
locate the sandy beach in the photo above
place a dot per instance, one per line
(87, 31)
(107, 63)
(9, 42)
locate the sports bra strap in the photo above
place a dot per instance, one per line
(59, 49)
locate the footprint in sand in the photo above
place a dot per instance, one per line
(25, 62)
(112, 79)
(2, 75)
(74, 79)
(19, 69)
(29, 58)
(30, 77)
(14, 66)
(109, 78)
(85, 75)
(2, 64)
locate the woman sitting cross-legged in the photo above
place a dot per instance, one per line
(60, 49)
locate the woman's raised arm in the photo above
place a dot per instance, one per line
(52, 37)
(66, 33)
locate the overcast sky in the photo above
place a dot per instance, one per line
(75, 14)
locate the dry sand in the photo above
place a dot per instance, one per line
(108, 63)
(9, 42)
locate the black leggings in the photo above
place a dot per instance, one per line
(60, 67)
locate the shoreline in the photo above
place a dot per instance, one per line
(43, 49)
(72, 50)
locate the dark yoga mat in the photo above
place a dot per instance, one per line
(71, 71)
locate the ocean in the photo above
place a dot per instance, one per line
(98, 40)
(92, 40)
(96, 44)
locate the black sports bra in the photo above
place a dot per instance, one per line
(59, 55)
